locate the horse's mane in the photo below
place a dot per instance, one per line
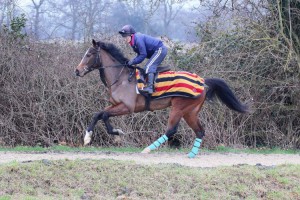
(113, 51)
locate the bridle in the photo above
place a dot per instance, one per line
(97, 64)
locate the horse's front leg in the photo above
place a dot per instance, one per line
(116, 110)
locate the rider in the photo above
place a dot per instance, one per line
(146, 47)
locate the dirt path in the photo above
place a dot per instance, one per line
(203, 160)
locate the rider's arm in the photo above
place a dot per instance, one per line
(142, 52)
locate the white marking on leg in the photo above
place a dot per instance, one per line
(87, 137)
(118, 131)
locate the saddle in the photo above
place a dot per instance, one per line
(158, 70)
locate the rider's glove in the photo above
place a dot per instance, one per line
(130, 62)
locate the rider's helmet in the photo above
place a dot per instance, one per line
(127, 30)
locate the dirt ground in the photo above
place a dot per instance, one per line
(202, 160)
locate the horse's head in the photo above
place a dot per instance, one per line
(90, 61)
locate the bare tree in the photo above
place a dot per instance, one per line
(7, 11)
(66, 14)
(37, 8)
(91, 14)
(171, 8)
(137, 13)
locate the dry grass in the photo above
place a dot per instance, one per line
(108, 179)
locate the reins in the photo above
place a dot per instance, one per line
(118, 65)
(101, 68)
(118, 77)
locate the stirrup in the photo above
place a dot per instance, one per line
(149, 89)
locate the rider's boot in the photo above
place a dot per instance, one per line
(150, 84)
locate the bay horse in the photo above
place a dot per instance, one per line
(121, 84)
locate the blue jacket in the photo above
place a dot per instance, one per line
(144, 46)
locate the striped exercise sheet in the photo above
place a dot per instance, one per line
(175, 83)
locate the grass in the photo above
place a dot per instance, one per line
(109, 179)
(220, 149)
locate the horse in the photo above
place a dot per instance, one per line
(121, 83)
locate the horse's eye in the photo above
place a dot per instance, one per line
(88, 55)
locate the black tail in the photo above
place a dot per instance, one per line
(219, 88)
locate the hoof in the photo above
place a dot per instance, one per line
(191, 155)
(87, 137)
(119, 131)
(146, 150)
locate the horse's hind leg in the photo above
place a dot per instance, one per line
(180, 107)
(173, 122)
(193, 121)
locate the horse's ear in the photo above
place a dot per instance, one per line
(94, 43)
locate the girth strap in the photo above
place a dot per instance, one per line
(147, 102)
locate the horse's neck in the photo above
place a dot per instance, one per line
(112, 71)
